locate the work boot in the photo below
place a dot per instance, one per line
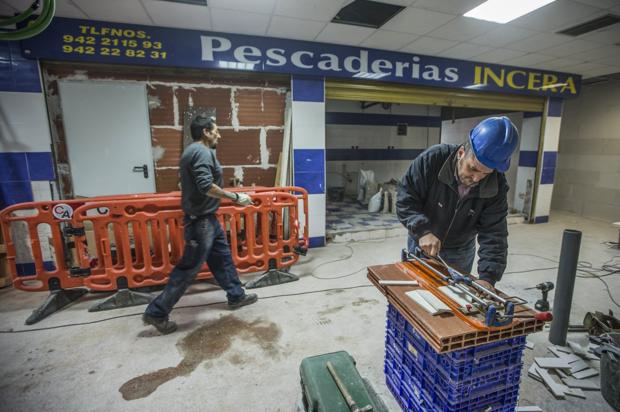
(164, 326)
(247, 299)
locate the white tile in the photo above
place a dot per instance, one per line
(528, 60)
(308, 120)
(6, 10)
(292, 28)
(559, 64)
(556, 15)
(456, 7)
(41, 191)
(603, 4)
(463, 28)
(429, 45)
(388, 40)
(183, 16)
(498, 55)
(570, 48)
(612, 60)
(530, 134)
(256, 6)
(316, 214)
(539, 42)
(464, 51)
(501, 36)
(232, 21)
(121, 11)
(600, 72)
(65, 8)
(343, 34)
(552, 134)
(417, 21)
(543, 200)
(608, 35)
(321, 10)
(24, 126)
(598, 52)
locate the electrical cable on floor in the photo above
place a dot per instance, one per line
(177, 308)
(588, 270)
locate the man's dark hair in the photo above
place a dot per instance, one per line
(200, 123)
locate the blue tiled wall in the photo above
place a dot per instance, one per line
(310, 170)
(17, 74)
(17, 170)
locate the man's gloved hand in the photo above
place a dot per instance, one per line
(430, 244)
(485, 284)
(243, 199)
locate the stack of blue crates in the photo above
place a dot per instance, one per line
(484, 377)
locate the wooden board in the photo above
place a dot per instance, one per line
(445, 332)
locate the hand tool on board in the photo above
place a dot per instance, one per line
(497, 310)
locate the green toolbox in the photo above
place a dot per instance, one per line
(331, 383)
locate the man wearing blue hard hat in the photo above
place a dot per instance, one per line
(452, 194)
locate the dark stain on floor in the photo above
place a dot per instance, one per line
(209, 341)
(329, 311)
(362, 301)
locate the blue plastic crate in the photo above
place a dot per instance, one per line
(480, 352)
(494, 379)
(495, 400)
(461, 371)
(395, 346)
(395, 330)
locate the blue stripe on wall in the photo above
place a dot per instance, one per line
(22, 166)
(547, 175)
(308, 89)
(541, 219)
(317, 241)
(309, 167)
(372, 154)
(555, 107)
(374, 119)
(17, 74)
(528, 158)
(15, 192)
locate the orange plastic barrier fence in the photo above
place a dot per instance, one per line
(133, 241)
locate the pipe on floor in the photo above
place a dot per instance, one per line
(564, 286)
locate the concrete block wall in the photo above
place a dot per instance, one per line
(250, 113)
(365, 139)
(26, 167)
(587, 180)
(308, 144)
(552, 121)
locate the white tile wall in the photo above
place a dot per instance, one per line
(24, 125)
(530, 133)
(543, 200)
(41, 191)
(316, 211)
(308, 125)
(552, 134)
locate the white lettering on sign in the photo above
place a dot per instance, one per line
(62, 211)
(359, 65)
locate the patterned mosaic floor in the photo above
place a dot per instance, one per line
(350, 216)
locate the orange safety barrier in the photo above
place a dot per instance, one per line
(138, 238)
(41, 224)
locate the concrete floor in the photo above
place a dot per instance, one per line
(249, 359)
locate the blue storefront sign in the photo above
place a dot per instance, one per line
(104, 42)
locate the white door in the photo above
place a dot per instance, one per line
(108, 138)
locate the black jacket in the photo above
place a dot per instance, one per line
(428, 201)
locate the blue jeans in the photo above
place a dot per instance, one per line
(204, 241)
(461, 259)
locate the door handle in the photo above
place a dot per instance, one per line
(144, 169)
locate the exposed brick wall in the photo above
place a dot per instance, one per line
(250, 112)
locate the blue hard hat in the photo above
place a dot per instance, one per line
(493, 141)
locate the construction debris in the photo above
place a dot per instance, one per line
(529, 345)
(572, 364)
(528, 409)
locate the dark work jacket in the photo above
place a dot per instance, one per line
(428, 201)
(199, 170)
